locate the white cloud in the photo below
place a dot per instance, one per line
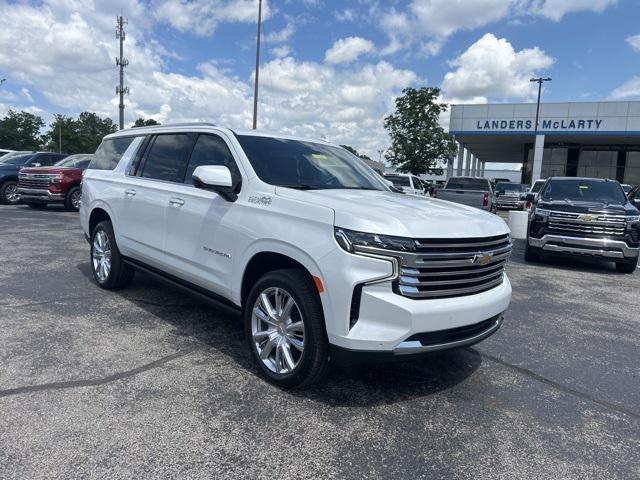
(26, 95)
(556, 9)
(348, 50)
(492, 68)
(346, 15)
(202, 17)
(283, 35)
(429, 23)
(281, 51)
(629, 89)
(634, 41)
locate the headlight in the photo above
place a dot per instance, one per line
(633, 219)
(350, 241)
(55, 176)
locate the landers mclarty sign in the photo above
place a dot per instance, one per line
(555, 125)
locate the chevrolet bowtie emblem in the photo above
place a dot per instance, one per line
(481, 258)
(586, 217)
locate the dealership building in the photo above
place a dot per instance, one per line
(591, 139)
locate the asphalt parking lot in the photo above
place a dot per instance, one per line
(149, 383)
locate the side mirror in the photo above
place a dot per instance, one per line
(216, 178)
(636, 202)
(36, 164)
(529, 197)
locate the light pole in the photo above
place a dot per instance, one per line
(539, 81)
(255, 88)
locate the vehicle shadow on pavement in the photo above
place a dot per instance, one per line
(221, 328)
(562, 262)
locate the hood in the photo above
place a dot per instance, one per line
(50, 170)
(402, 215)
(587, 207)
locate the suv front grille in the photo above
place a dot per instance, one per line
(573, 224)
(444, 268)
(37, 181)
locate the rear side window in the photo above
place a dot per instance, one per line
(168, 157)
(468, 184)
(211, 150)
(109, 153)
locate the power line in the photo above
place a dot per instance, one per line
(121, 62)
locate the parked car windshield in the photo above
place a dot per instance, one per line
(584, 190)
(307, 165)
(510, 187)
(78, 161)
(17, 160)
(398, 180)
(467, 184)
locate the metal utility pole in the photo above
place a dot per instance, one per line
(255, 89)
(121, 62)
(539, 81)
(59, 134)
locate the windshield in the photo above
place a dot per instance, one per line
(398, 180)
(467, 184)
(537, 186)
(79, 161)
(584, 190)
(510, 188)
(17, 160)
(307, 165)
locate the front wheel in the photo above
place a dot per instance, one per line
(285, 329)
(109, 270)
(627, 267)
(9, 193)
(72, 201)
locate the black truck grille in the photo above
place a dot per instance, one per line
(33, 181)
(576, 224)
(452, 268)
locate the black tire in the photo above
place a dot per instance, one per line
(531, 254)
(313, 363)
(7, 191)
(37, 205)
(627, 267)
(120, 274)
(70, 199)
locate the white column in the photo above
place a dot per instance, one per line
(460, 159)
(474, 167)
(482, 170)
(450, 167)
(467, 163)
(536, 170)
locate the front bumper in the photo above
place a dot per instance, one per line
(594, 247)
(510, 204)
(421, 345)
(40, 195)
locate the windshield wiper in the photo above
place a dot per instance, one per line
(299, 186)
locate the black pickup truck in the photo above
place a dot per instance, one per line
(587, 217)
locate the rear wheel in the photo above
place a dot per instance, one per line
(285, 329)
(9, 193)
(627, 267)
(72, 201)
(109, 270)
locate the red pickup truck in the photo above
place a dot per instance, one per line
(60, 183)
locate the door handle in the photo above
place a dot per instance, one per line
(176, 202)
(130, 192)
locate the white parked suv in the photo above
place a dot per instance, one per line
(327, 265)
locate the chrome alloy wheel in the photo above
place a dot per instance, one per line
(278, 330)
(75, 199)
(101, 255)
(12, 193)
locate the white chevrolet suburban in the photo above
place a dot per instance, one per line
(327, 265)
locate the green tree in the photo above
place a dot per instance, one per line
(20, 130)
(61, 129)
(350, 149)
(82, 135)
(141, 122)
(418, 142)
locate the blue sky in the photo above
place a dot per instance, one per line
(330, 69)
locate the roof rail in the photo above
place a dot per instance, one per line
(187, 124)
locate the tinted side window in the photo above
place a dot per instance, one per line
(167, 158)
(211, 150)
(109, 153)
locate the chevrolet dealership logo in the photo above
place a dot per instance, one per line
(481, 258)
